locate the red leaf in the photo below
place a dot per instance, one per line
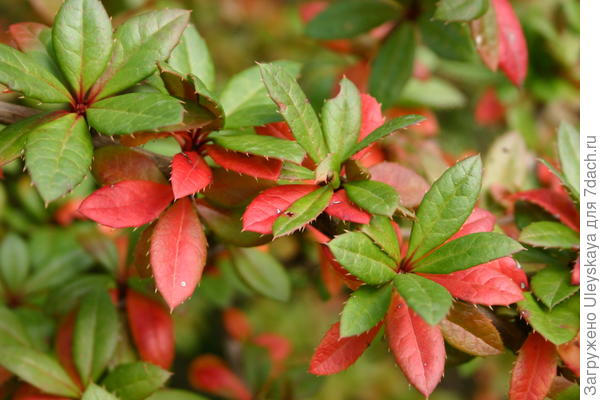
(152, 329)
(410, 186)
(341, 207)
(372, 118)
(279, 130)
(569, 353)
(63, 344)
(236, 324)
(417, 346)
(428, 127)
(509, 267)
(189, 174)
(259, 167)
(556, 203)
(128, 203)
(335, 354)
(575, 274)
(534, 370)
(28, 392)
(210, 374)
(279, 348)
(513, 48)
(26, 35)
(267, 206)
(480, 285)
(480, 220)
(178, 252)
(489, 109)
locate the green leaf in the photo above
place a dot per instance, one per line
(14, 262)
(549, 234)
(506, 168)
(446, 206)
(12, 331)
(428, 299)
(558, 325)
(341, 118)
(466, 252)
(20, 72)
(266, 146)
(58, 155)
(295, 172)
(296, 110)
(140, 43)
(262, 272)
(134, 112)
(382, 232)
(38, 369)
(95, 392)
(568, 154)
(58, 269)
(570, 393)
(552, 285)
(82, 40)
(191, 56)
(349, 18)
(245, 99)
(434, 92)
(374, 197)
(461, 10)
(95, 335)
(364, 309)
(302, 211)
(65, 297)
(362, 258)
(393, 65)
(389, 127)
(14, 137)
(450, 41)
(39, 47)
(175, 394)
(135, 381)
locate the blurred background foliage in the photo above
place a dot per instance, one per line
(453, 93)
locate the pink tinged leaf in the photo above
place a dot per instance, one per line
(259, 167)
(509, 267)
(267, 206)
(480, 285)
(189, 174)
(335, 354)
(341, 207)
(513, 56)
(279, 130)
(178, 252)
(556, 203)
(26, 35)
(417, 346)
(210, 374)
(480, 220)
(127, 203)
(575, 274)
(411, 187)
(534, 370)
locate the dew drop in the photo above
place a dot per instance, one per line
(183, 284)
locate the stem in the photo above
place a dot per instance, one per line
(11, 113)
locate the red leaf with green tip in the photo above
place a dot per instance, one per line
(556, 203)
(189, 174)
(210, 374)
(513, 56)
(127, 203)
(417, 346)
(267, 206)
(178, 252)
(26, 35)
(534, 370)
(152, 329)
(259, 167)
(341, 207)
(335, 354)
(236, 324)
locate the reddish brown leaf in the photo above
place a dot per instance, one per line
(189, 174)
(26, 35)
(341, 207)
(417, 346)
(513, 48)
(534, 370)
(113, 164)
(210, 374)
(469, 330)
(480, 285)
(489, 109)
(279, 130)
(141, 253)
(63, 344)
(486, 36)
(556, 203)
(232, 190)
(28, 392)
(267, 206)
(569, 353)
(236, 324)
(335, 354)
(410, 186)
(178, 252)
(252, 165)
(127, 203)
(152, 329)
